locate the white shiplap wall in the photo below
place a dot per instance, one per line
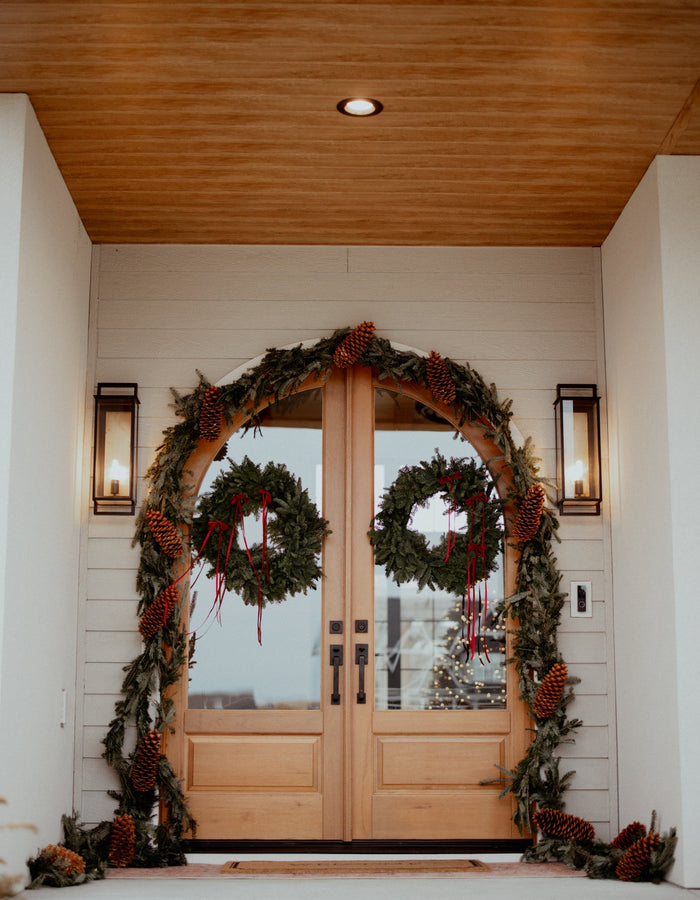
(526, 319)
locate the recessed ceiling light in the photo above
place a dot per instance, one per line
(359, 106)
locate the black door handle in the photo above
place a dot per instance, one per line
(336, 662)
(362, 659)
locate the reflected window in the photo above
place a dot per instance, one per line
(423, 658)
(228, 668)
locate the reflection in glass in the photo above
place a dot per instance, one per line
(229, 670)
(421, 661)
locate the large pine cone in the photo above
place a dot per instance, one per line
(165, 534)
(557, 824)
(349, 349)
(143, 774)
(122, 842)
(635, 862)
(527, 523)
(440, 382)
(158, 613)
(550, 691)
(69, 862)
(629, 835)
(211, 414)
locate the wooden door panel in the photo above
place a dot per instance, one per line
(430, 762)
(475, 721)
(262, 816)
(438, 815)
(254, 762)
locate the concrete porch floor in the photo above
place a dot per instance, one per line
(345, 888)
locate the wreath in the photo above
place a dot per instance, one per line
(457, 558)
(286, 561)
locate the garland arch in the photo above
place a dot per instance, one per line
(207, 415)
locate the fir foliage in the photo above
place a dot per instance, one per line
(647, 859)
(295, 533)
(405, 553)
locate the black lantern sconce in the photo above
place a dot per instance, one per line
(114, 462)
(577, 414)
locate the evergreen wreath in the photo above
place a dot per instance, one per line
(406, 554)
(287, 562)
(535, 608)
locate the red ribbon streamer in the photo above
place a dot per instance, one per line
(210, 530)
(479, 551)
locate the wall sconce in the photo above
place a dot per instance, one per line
(577, 415)
(114, 462)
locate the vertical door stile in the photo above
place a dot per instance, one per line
(334, 588)
(361, 461)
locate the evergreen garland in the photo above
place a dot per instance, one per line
(535, 609)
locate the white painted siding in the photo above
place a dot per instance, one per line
(525, 319)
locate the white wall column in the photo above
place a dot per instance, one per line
(651, 286)
(44, 289)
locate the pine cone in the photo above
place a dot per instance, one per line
(158, 613)
(122, 842)
(165, 534)
(635, 862)
(143, 774)
(211, 414)
(550, 691)
(66, 860)
(440, 382)
(349, 349)
(528, 522)
(561, 825)
(629, 835)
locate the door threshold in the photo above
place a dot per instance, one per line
(482, 846)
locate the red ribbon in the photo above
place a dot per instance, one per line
(210, 530)
(476, 614)
(451, 510)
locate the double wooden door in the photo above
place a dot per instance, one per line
(356, 719)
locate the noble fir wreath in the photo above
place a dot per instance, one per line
(406, 554)
(147, 705)
(286, 561)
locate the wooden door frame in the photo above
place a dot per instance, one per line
(344, 814)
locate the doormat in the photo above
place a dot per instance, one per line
(307, 867)
(283, 869)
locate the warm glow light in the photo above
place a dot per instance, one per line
(359, 106)
(116, 470)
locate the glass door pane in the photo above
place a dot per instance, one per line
(229, 669)
(422, 659)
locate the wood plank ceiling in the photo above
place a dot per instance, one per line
(506, 122)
